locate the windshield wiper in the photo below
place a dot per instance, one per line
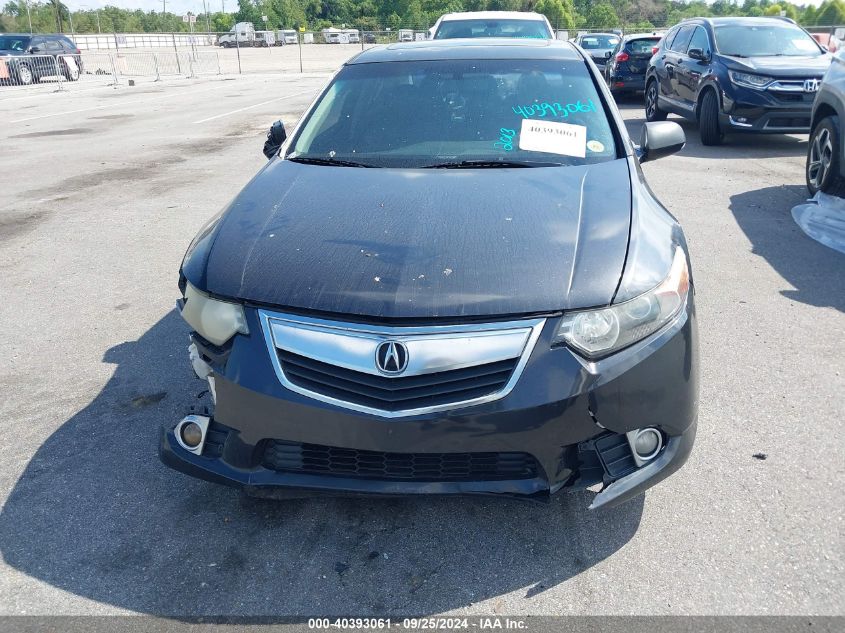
(489, 164)
(334, 162)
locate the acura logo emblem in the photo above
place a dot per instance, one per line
(391, 357)
(812, 85)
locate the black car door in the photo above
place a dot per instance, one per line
(690, 70)
(659, 59)
(671, 59)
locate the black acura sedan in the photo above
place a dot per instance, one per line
(451, 278)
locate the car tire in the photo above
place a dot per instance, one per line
(652, 109)
(823, 171)
(708, 120)
(24, 75)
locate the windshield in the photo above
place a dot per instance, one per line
(442, 113)
(643, 46)
(453, 29)
(593, 42)
(765, 41)
(14, 43)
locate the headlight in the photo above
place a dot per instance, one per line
(596, 333)
(748, 80)
(216, 321)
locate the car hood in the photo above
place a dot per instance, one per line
(412, 243)
(786, 66)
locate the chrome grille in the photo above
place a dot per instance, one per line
(443, 367)
(396, 394)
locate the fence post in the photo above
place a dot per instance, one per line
(191, 66)
(155, 60)
(113, 71)
(59, 74)
(217, 55)
(238, 46)
(176, 51)
(299, 40)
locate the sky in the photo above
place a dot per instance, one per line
(183, 6)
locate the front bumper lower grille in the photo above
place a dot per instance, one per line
(294, 457)
(396, 394)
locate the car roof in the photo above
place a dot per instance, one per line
(491, 15)
(598, 33)
(475, 48)
(745, 21)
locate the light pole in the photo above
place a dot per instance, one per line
(29, 17)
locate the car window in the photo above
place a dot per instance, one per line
(598, 41)
(670, 36)
(453, 29)
(52, 45)
(769, 40)
(700, 40)
(14, 43)
(679, 44)
(642, 46)
(423, 113)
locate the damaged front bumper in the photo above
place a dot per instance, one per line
(562, 427)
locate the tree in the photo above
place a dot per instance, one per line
(831, 13)
(602, 16)
(559, 12)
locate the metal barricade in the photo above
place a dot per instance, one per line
(29, 70)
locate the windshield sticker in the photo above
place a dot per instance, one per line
(505, 141)
(595, 146)
(555, 109)
(553, 137)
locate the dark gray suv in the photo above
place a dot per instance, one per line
(826, 154)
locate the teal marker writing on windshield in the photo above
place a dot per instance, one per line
(555, 109)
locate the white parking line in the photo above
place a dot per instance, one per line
(158, 97)
(255, 105)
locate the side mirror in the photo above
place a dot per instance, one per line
(275, 137)
(659, 139)
(35, 49)
(697, 53)
(607, 55)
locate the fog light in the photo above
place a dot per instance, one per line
(648, 443)
(191, 434)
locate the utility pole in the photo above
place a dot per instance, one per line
(29, 17)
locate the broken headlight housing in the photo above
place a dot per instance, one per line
(214, 320)
(598, 333)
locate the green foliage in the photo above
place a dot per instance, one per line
(830, 13)
(561, 13)
(602, 16)
(49, 16)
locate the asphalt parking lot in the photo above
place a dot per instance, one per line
(103, 190)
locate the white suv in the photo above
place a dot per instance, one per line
(492, 24)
